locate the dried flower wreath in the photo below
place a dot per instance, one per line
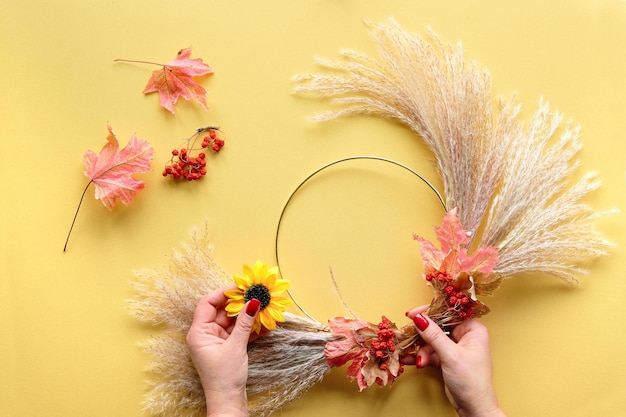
(486, 158)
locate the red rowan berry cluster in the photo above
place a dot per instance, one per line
(382, 347)
(186, 163)
(440, 276)
(459, 301)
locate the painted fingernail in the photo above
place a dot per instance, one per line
(253, 307)
(418, 362)
(406, 313)
(421, 322)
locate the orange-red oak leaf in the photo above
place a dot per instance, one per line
(175, 80)
(111, 171)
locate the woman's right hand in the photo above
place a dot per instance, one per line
(465, 362)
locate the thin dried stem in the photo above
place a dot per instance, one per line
(139, 62)
(80, 203)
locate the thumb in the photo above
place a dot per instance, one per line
(435, 337)
(241, 332)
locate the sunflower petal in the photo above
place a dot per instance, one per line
(276, 314)
(249, 274)
(233, 308)
(267, 320)
(256, 326)
(269, 281)
(259, 272)
(234, 294)
(280, 302)
(242, 282)
(280, 285)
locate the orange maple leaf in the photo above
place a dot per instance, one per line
(111, 171)
(175, 80)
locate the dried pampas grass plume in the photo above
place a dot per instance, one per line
(283, 364)
(505, 176)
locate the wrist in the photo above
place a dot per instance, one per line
(226, 404)
(493, 412)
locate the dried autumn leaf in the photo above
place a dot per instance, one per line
(453, 255)
(175, 80)
(457, 277)
(111, 171)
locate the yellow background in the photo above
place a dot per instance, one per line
(68, 345)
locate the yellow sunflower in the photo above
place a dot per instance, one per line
(262, 283)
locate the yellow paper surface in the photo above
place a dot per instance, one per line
(68, 345)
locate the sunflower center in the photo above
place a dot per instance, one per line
(260, 292)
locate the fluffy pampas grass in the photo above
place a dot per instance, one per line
(503, 175)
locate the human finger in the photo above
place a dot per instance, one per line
(435, 337)
(427, 356)
(202, 325)
(415, 311)
(217, 298)
(214, 329)
(408, 359)
(210, 308)
(471, 326)
(205, 311)
(221, 318)
(240, 334)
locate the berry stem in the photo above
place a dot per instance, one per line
(76, 214)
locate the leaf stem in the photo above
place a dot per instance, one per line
(138, 62)
(76, 214)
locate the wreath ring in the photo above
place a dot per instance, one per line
(315, 173)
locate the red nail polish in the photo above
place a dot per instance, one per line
(253, 307)
(406, 313)
(421, 322)
(418, 362)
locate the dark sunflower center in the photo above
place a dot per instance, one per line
(260, 292)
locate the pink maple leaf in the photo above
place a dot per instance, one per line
(453, 257)
(483, 260)
(175, 79)
(111, 171)
(451, 234)
(345, 348)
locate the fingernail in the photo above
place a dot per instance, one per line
(421, 322)
(253, 307)
(406, 313)
(418, 362)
